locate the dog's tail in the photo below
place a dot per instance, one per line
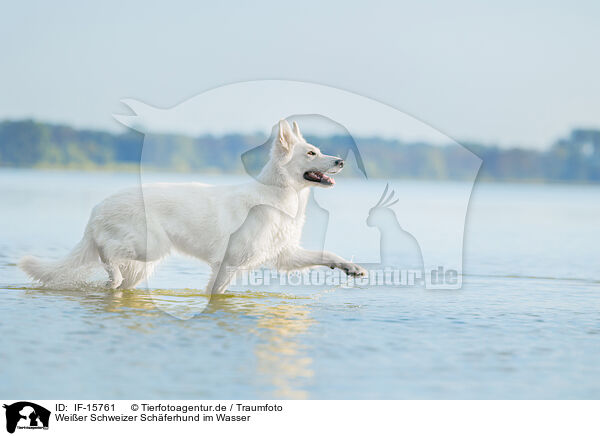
(64, 270)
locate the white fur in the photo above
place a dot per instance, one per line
(228, 227)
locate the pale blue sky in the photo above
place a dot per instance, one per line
(513, 72)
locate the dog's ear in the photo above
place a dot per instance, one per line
(297, 132)
(285, 137)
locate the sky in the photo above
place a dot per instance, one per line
(511, 73)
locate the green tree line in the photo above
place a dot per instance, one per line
(31, 144)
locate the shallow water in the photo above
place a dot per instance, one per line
(526, 323)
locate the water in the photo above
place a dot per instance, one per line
(525, 324)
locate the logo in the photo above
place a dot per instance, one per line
(26, 415)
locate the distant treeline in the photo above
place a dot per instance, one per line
(31, 144)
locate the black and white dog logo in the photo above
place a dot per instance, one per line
(26, 415)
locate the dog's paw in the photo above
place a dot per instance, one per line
(353, 270)
(113, 284)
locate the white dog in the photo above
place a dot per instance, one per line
(229, 227)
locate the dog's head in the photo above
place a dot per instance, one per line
(301, 163)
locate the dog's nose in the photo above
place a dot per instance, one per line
(340, 163)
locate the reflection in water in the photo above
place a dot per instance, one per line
(277, 320)
(282, 358)
(282, 361)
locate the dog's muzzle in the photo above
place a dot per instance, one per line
(320, 177)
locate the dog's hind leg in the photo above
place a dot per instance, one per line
(123, 260)
(115, 278)
(134, 272)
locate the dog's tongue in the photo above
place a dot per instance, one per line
(319, 177)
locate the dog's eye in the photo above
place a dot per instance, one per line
(311, 153)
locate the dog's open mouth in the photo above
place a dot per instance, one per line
(319, 177)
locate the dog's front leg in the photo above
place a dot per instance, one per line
(298, 258)
(221, 277)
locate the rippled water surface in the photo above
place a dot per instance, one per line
(526, 323)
